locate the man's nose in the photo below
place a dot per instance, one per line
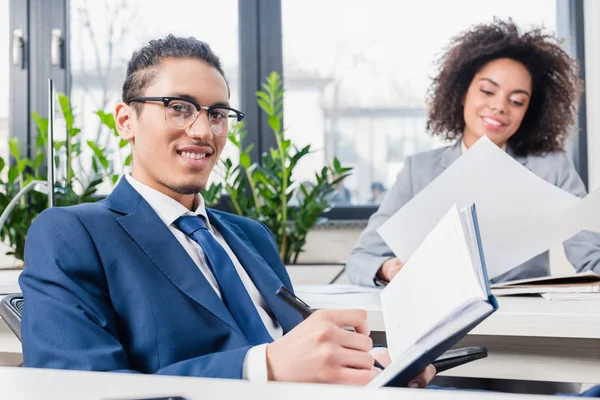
(200, 128)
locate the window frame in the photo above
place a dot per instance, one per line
(570, 24)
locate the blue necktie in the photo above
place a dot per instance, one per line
(234, 294)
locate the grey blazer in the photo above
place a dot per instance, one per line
(370, 252)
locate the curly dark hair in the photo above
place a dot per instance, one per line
(556, 86)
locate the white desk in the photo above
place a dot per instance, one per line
(35, 384)
(528, 338)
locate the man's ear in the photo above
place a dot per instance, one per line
(124, 119)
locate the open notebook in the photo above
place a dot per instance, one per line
(440, 294)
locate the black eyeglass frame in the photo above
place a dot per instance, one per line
(167, 100)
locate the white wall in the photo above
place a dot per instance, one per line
(592, 88)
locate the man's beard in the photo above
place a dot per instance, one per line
(191, 188)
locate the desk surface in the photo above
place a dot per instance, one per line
(516, 316)
(550, 339)
(35, 384)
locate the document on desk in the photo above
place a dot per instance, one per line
(519, 213)
(583, 282)
(335, 289)
(440, 294)
(571, 296)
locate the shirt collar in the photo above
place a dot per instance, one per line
(167, 208)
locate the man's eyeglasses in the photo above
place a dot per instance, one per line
(181, 113)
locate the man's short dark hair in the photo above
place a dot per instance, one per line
(143, 65)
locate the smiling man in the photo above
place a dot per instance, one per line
(149, 280)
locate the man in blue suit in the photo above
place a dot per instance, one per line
(150, 281)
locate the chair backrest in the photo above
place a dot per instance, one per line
(11, 309)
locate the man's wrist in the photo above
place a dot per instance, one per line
(255, 364)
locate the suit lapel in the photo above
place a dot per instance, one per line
(160, 245)
(262, 275)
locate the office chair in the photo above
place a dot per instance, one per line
(11, 309)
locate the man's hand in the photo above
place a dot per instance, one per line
(423, 379)
(320, 350)
(389, 269)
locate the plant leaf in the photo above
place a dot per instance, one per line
(14, 148)
(274, 123)
(12, 174)
(245, 160)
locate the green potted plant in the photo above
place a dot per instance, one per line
(264, 191)
(267, 191)
(77, 186)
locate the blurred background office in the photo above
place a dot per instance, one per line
(355, 72)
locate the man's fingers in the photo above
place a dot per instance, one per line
(355, 359)
(423, 378)
(354, 341)
(356, 319)
(382, 355)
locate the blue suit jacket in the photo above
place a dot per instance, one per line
(108, 287)
(593, 392)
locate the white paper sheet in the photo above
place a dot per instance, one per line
(335, 289)
(571, 296)
(340, 296)
(585, 215)
(518, 212)
(364, 301)
(435, 283)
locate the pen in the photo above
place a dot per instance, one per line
(293, 301)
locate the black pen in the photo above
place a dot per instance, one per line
(293, 301)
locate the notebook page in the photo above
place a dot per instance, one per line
(436, 281)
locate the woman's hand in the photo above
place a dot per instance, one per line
(389, 269)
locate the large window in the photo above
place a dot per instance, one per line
(105, 33)
(357, 73)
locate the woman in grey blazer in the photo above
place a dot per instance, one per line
(519, 89)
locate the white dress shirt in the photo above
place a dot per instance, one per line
(168, 210)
